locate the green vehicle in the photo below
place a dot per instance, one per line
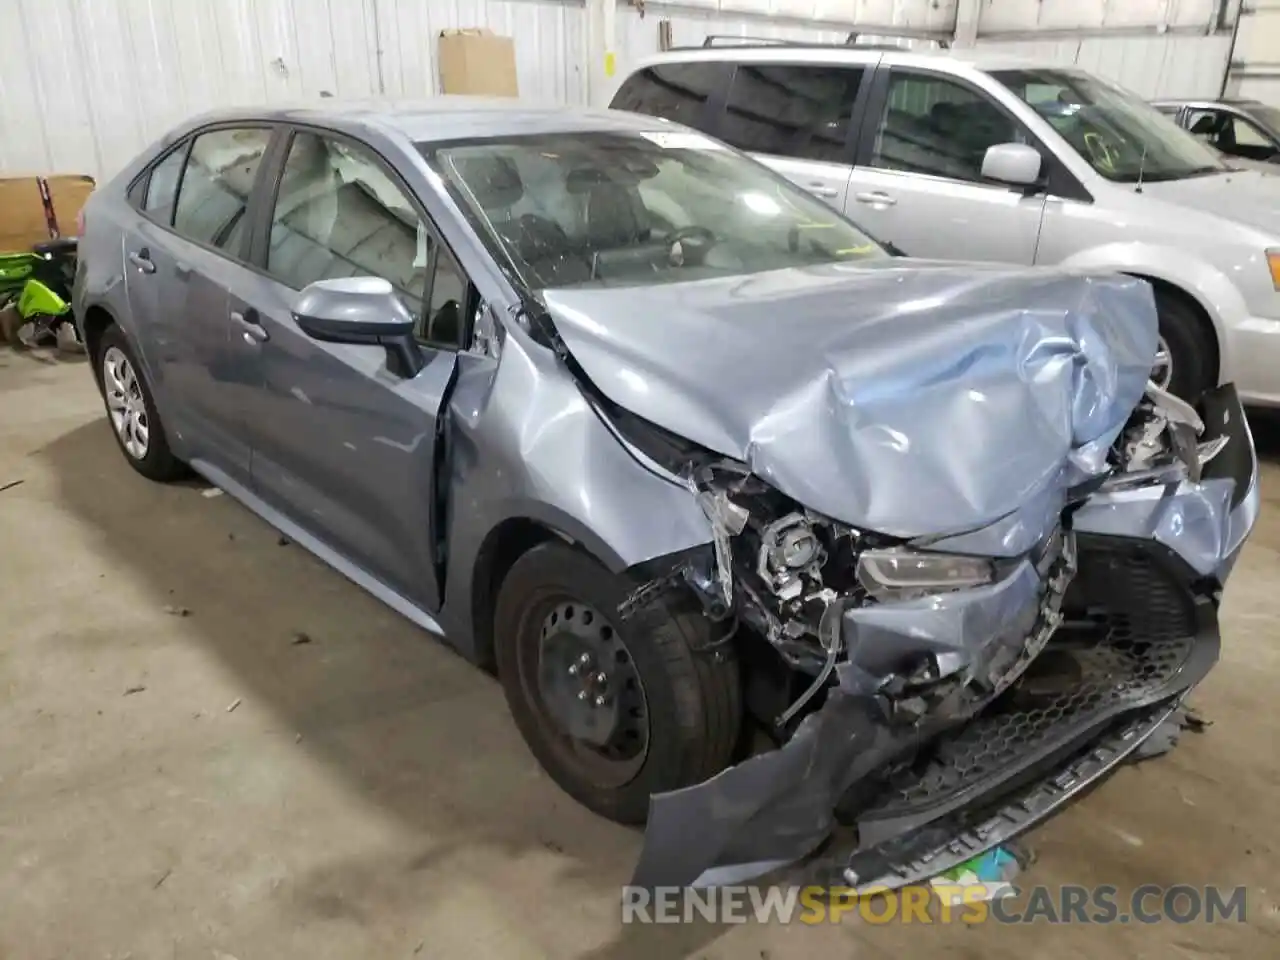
(38, 284)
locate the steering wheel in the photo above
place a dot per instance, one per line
(695, 242)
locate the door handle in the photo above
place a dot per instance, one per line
(142, 260)
(875, 197)
(250, 327)
(822, 190)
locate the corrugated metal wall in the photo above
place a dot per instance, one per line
(85, 84)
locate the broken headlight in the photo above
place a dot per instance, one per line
(900, 574)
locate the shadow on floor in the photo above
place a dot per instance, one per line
(395, 714)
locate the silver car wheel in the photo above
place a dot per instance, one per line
(125, 405)
(1162, 369)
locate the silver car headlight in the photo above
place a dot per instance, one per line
(900, 573)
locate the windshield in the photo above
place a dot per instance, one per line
(627, 209)
(1123, 137)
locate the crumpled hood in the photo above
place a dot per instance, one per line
(1248, 196)
(904, 397)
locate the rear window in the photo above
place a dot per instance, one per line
(674, 91)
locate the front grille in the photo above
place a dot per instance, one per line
(1132, 627)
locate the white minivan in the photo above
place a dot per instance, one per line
(983, 157)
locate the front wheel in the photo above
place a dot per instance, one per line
(1186, 360)
(615, 711)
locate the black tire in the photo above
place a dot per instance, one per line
(158, 463)
(694, 698)
(1191, 348)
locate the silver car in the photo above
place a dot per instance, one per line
(977, 155)
(686, 456)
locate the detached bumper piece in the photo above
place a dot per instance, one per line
(1100, 689)
(966, 833)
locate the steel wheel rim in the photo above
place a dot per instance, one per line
(1162, 369)
(618, 761)
(125, 406)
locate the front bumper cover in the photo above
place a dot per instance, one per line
(1146, 596)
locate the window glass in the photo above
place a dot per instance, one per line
(337, 214)
(674, 91)
(163, 185)
(1245, 134)
(444, 320)
(216, 184)
(937, 126)
(1118, 133)
(637, 208)
(791, 111)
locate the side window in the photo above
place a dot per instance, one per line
(1245, 134)
(674, 91)
(936, 126)
(162, 186)
(337, 214)
(444, 322)
(1202, 123)
(791, 111)
(216, 184)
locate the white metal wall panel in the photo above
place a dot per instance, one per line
(86, 84)
(1005, 16)
(1255, 68)
(1155, 66)
(917, 14)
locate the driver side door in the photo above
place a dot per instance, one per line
(343, 446)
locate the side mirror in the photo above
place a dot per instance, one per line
(1014, 164)
(361, 310)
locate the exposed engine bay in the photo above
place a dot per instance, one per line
(845, 617)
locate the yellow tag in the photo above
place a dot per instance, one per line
(610, 63)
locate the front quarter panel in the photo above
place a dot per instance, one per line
(527, 445)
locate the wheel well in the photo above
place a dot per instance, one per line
(95, 323)
(1165, 288)
(505, 544)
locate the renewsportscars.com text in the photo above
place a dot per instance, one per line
(937, 904)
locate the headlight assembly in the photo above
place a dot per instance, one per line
(900, 573)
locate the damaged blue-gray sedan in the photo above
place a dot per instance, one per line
(771, 536)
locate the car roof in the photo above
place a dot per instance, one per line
(855, 53)
(441, 118)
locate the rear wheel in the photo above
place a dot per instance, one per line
(131, 410)
(1186, 361)
(614, 710)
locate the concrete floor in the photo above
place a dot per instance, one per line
(369, 796)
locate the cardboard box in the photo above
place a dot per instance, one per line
(477, 61)
(25, 219)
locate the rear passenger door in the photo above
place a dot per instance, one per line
(185, 259)
(799, 119)
(918, 180)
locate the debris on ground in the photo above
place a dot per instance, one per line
(130, 691)
(300, 638)
(233, 704)
(11, 484)
(177, 611)
(163, 877)
(1166, 735)
(297, 738)
(211, 492)
(992, 871)
(282, 542)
